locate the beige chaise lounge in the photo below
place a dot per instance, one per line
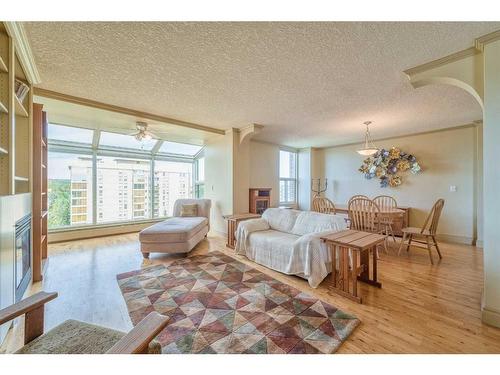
(177, 234)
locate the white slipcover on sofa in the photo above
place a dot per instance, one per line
(289, 241)
(177, 234)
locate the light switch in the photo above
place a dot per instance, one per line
(453, 188)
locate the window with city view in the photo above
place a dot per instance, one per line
(69, 189)
(127, 188)
(288, 177)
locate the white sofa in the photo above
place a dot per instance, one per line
(289, 241)
(177, 234)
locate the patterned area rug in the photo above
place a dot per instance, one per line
(217, 304)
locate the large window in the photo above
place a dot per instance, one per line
(123, 189)
(116, 140)
(70, 134)
(288, 177)
(172, 181)
(69, 189)
(117, 180)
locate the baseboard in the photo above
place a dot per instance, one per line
(479, 243)
(490, 316)
(218, 232)
(451, 238)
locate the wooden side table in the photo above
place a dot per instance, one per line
(345, 280)
(232, 225)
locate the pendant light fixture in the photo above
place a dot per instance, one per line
(369, 149)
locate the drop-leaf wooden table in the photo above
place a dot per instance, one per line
(346, 274)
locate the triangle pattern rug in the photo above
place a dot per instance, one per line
(217, 304)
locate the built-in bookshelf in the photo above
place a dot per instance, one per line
(40, 208)
(15, 121)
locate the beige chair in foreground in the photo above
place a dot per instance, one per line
(180, 233)
(427, 232)
(75, 337)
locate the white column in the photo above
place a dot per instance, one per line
(491, 188)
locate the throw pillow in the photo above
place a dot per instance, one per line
(189, 210)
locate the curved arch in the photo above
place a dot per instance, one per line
(449, 81)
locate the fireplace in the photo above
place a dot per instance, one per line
(22, 255)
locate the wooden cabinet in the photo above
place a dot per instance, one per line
(260, 200)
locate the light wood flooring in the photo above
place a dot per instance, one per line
(420, 309)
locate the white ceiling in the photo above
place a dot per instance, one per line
(309, 84)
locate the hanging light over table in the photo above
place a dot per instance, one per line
(369, 148)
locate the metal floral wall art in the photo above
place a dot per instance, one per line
(387, 166)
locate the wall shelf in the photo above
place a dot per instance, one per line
(20, 110)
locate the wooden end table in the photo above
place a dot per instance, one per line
(232, 225)
(345, 280)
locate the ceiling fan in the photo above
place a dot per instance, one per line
(142, 133)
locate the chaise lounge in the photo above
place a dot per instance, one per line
(182, 232)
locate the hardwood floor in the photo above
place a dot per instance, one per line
(420, 309)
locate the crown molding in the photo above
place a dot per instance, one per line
(478, 47)
(485, 39)
(474, 124)
(23, 50)
(127, 111)
(442, 61)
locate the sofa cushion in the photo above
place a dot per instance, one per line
(174, 229)
(272, 248)
(313, 222)
(281, 219)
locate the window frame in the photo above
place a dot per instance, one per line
(294, 179)
(197, 183)
(95, 150)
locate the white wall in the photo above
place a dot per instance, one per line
(264, 168)
(491, 132)
(447, 158)
(219, 180)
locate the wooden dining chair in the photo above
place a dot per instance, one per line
(355, 197)
(427, 232)
(347, 220)
(323, 205)
(386, 202)
(363, 216)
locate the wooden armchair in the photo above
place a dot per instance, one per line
(427, 232)
(75, 337)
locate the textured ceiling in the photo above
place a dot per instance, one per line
(309, 84)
